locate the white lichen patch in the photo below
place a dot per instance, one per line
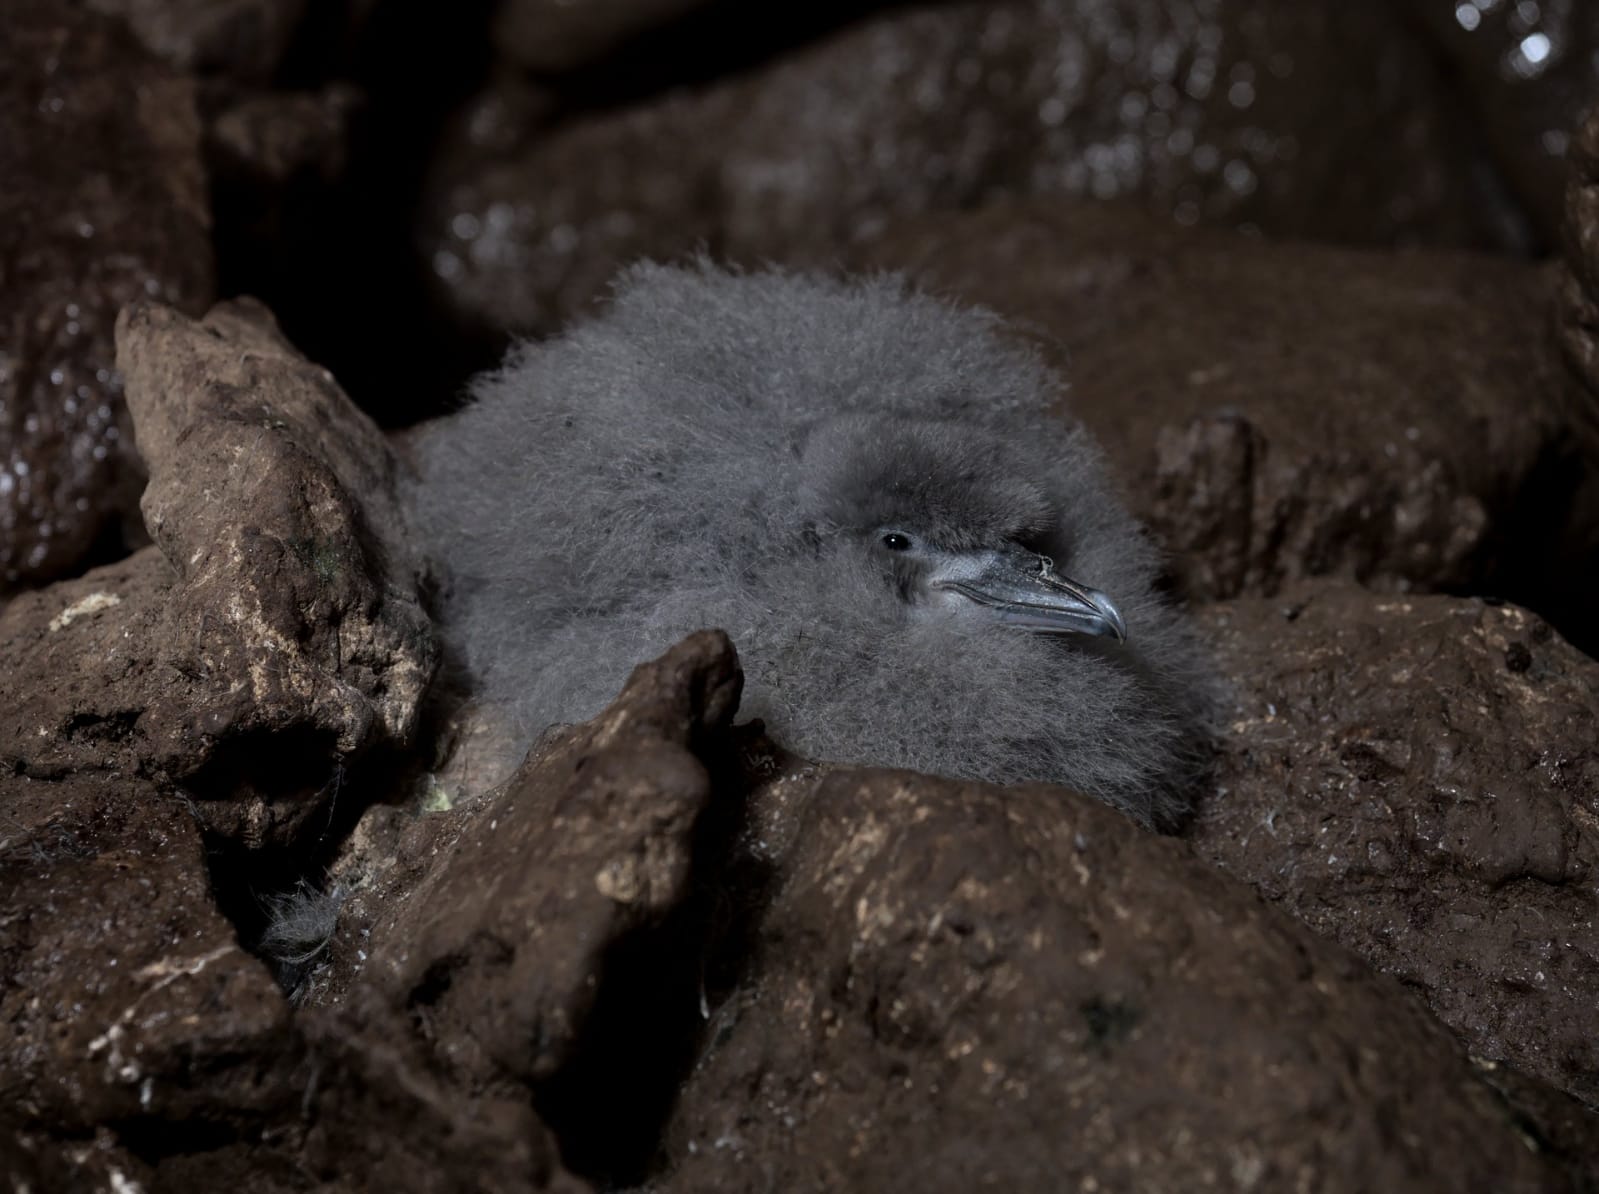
(92, 604)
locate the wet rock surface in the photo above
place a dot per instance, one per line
(274, 634)
(1417, 778)
(1278, 411)
(958, 986)
(1242, 113)
(104, 203)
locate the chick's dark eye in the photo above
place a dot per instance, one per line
(894, 541)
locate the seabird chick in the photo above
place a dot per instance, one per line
(922, 566)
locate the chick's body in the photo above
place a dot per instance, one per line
(798, 460)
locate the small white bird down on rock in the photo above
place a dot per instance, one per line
(920, 564)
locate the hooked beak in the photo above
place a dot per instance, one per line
(1022, 589)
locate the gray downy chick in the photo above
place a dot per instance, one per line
(921, 566)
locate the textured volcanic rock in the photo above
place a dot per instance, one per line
(142, 1041)
(273, 498)
(1293, 117)
(273, 633)
(84, 681)
(279, 631)
(553, 35)
(34, 1160)
(1280, 410)
(927, 982)
(104, 202)
(490, 922)
(532, 938)
(347, 1105)
(110, 940)
(958, 986)
(243, 39)
(1528, 72)
(1418, 778)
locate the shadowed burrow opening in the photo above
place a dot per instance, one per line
(283, 767)
(1544, 552)
(277, 896)
(116, 539)
(609, 1104)
(414, 72)
(334, 257)
(153, 1139)
(282, 909)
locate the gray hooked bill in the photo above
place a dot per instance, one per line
(1022, 589)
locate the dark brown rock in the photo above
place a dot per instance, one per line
(1418, 779)
(104, 203)
(111, 942)
(83, 674)
(1527, 73)
(243, 39)
(1294, 118)
(34, 1160)
(1281, 410)
(554, 35)
(348, 1106)
(491, 929)
(960, 987)
(142, 1041)
(274, 499)
(1578, 326)
(491, 923)
(280, 634)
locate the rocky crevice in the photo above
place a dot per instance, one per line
(663, 953)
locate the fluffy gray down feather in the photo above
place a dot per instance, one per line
(718, 449)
